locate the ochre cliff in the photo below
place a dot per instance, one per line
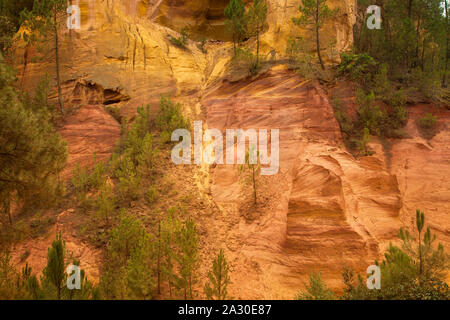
(323, 211)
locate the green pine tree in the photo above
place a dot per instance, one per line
(315, 13)
(32, 154)
(54, 274)
(316, 290)
(236, 21)
(257, 17)
(218, 279)
(187, 258)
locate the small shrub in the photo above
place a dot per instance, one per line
(428, 121)
(129, 180)
(98, 176)
(245, 59)
(148, 156)
(301, 61)
(181, 41)
(370, 115)
(106, 205)
(80, 181)
(357, 67)
(170, 118)
(428, 125)
(202, 44)
(151, 195)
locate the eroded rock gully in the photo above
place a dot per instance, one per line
(325, 209)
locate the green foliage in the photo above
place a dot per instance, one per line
(346, 124)
(316, 290)
(187, 258)
(245, 61)
(202, 44)
(362, 144)
(10, 12)
(300, 59)
(413, 43)
(370, 115)
(126, 259)
(32, 154)
(427, 125)
(315, 13)
(85, 182)
(169, 229)
(428, 121)
(148, 156)
(129, 179)
(106, 205)
(216, 288)
(257, 18)
(170, 118)
(54, 274)
(236, 16)
(80, 181)
(414, 271)
(181, 41)
(141, 281)
(357, 66)
(151, 195)
(43, 22)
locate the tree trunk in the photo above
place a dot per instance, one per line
(444, 79)
(317, 35)
(58, 78)
(257, 46)
(410, 4)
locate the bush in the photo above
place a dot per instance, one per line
(148, 156)
(181, 41)
(245, 59)
(98, 176)
(151, 195)
(428, 121)
(370, 115)
(170, 118)
(106, 204)
(80, 181)
(129, 180)
(316, 290)
(345, 123)
(357, 67)
(300, 59)
(428, 125)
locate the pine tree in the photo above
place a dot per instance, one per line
(32, 154)
(316, 290)
(315, 13)
(257, 16)
(187, 258)
(170, 228)
(236, 21)
(55, 271)
(140, 276)
(218, 279)
(45, 18)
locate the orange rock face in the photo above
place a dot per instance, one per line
(332, 210)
